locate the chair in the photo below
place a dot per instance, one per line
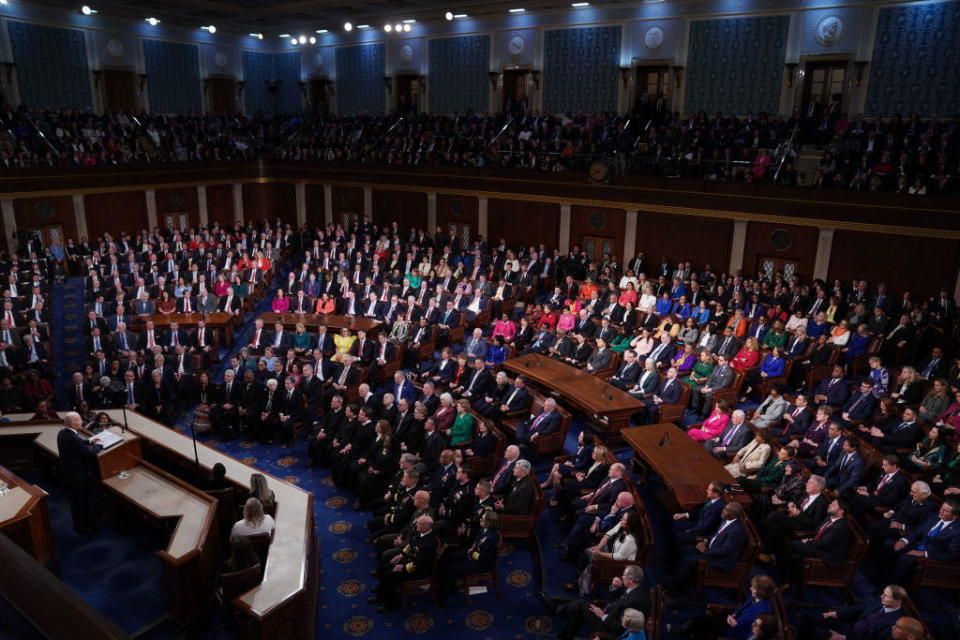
(226, 508)
(731, 393)
(390, 368)
(523, 526)
(236, 583)
(261, 546)
(937, 574)
(421, 586)
(784, 630)
(485, 578)
(707, 576)
(485, 466)
(816, 572)
(604, 570)
(544, 445)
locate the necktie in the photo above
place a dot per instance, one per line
(130, 394)
(176, 339)
(823, 528)
(727, 438)
(186, 305)
(79, 393)
(719, 531)
(880, 485)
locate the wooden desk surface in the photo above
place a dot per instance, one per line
(588, 391)
(165, 499)
(331, 321)
(46, 433)
(215, 320)
(684, 465)
(286, 570)
(21, 494)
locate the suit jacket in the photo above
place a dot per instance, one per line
(844, 474)
(720, 378)
(900, 435)
(366, 353)
(599, 359)
(670, 391)
(707, 518)
(895, 490)
(77, 459)
(945, 546)
(812, 516)
(731, 348)
(770, 412)
(648, 381)
(664, 353)
(519, 498)
(638, 598)
(628, 373)
(738, 441)
(836, 391)
(829, 544)
(860, 405)
(549, 424)
(724, 547)
(870, 622)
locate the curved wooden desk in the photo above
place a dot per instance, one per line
(24, 517)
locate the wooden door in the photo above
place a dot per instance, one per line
(597, 247)
(824, 82)
(223, 95)
(408, 90)
(461, 235)
(118, 93)
(769, 267)
(515, 97)
(650, 84)
(318, 96)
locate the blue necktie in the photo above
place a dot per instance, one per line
(931, 535)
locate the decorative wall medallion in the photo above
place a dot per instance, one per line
(406, 52)
(43, 209)
(318, 59)
(829, 30)
(115, 47)
(653, 38)
(220, 59)
(516, 45)
(781, 240)
(598, 220)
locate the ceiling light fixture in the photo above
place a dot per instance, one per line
(407, 27)
(302, 39)
(284, 35)
(517, 10)
(363, 26)
(313, 40)
(459, 16)
(409, 21)
(388, 28)
(322, 31)
(448, 15)
(152, 21)
(580, 4)
(347, 26)
(398, 27)
(87, 10)
(209, 28)
(258, 36)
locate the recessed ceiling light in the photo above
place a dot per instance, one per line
(580, 4)
(407, 27)
(517, 10)
(363, 26)
(209, 28)
(284, 35)
(87, 10)
(302, 39)
(448, 15)
(409, 21)
(152, 21)
(388, 28)
(258, 36)
(459, 16)
(313, 40)
(398, 27)
(347, 26)
(322, 31)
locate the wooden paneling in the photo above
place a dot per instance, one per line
(598, 222)
(702, 241)
(33, 213)
(407, 209)
(346, 200)
(315, 205)
(803, 248)
(918, 265)
(220, 204)
(453, 208)
(527, 223)
(115, 212)
(178, 201)
(270, 201)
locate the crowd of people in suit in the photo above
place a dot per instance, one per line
(789, 384)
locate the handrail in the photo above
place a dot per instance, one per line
(783, 156)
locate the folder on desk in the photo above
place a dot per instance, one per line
(106, 439)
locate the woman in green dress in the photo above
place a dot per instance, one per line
(771, 474)
(929, 453)
(701, 371)
(462, 430)
(776, 337)
(621, 342)
(302, 341)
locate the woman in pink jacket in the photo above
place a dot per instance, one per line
(714, 425)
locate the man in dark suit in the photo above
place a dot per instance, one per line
(720, 549)
(871, 621)
(383, 353)
(795, 421)
(663, 353)
(324, 431)
(668, 392)
(606, 619)
(78, 460)
(363, 348)
(935, 366)
(347, 376)
(848, 467)
(938, 539)
(278, 339)
(80, 391)
(290, 412)
(541, 343)
(688, 527)
(832, 391)
(734, 437)
(478, 383)
(515, 398)
(627, 373)
(701, 398)
(544, 423)
(520, 493)
(503, 476)
(903, 435)
(805, 516)
(414, 562)
(728, 345)
(479, 557)
(828, 543)
(861, 404)
(906, 516)
(891, 487)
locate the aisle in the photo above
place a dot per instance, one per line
(67, 340)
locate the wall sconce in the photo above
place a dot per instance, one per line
(9, 67)
(388, 83)
(859, 67)
(535, 76)
(97, 73)
(240, 86)
(625, 76)
(677, 73)
(791, 72)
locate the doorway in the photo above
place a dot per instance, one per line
(118, 93)
(461, 235)
(318, 96)
(651, 91)
(515, 98)
(769, 267)
(408, 92)
(52, 234)
(596, 247)
(824, 84)
(223, 95)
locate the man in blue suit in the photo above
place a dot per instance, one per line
(403, 388)
(844, 474)
(476, 346)
(861, 404)
(891, 487)
(796, 346)
(544, 423)
(78, 460)
(832, 391)
(721, 549)
(668, 392)
(938, 539)
(871, 621)
(688, 527)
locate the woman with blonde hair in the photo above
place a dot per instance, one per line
(260, 491)
(254, 521)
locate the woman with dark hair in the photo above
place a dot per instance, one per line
(620, 543)
(373, 480)
(206, 395)
(738, 624)
(929, 454)
(580, 461)
(790, 489)
(770, 474)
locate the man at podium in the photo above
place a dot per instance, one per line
(78, 461)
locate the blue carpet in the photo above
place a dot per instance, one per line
(67, 339)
